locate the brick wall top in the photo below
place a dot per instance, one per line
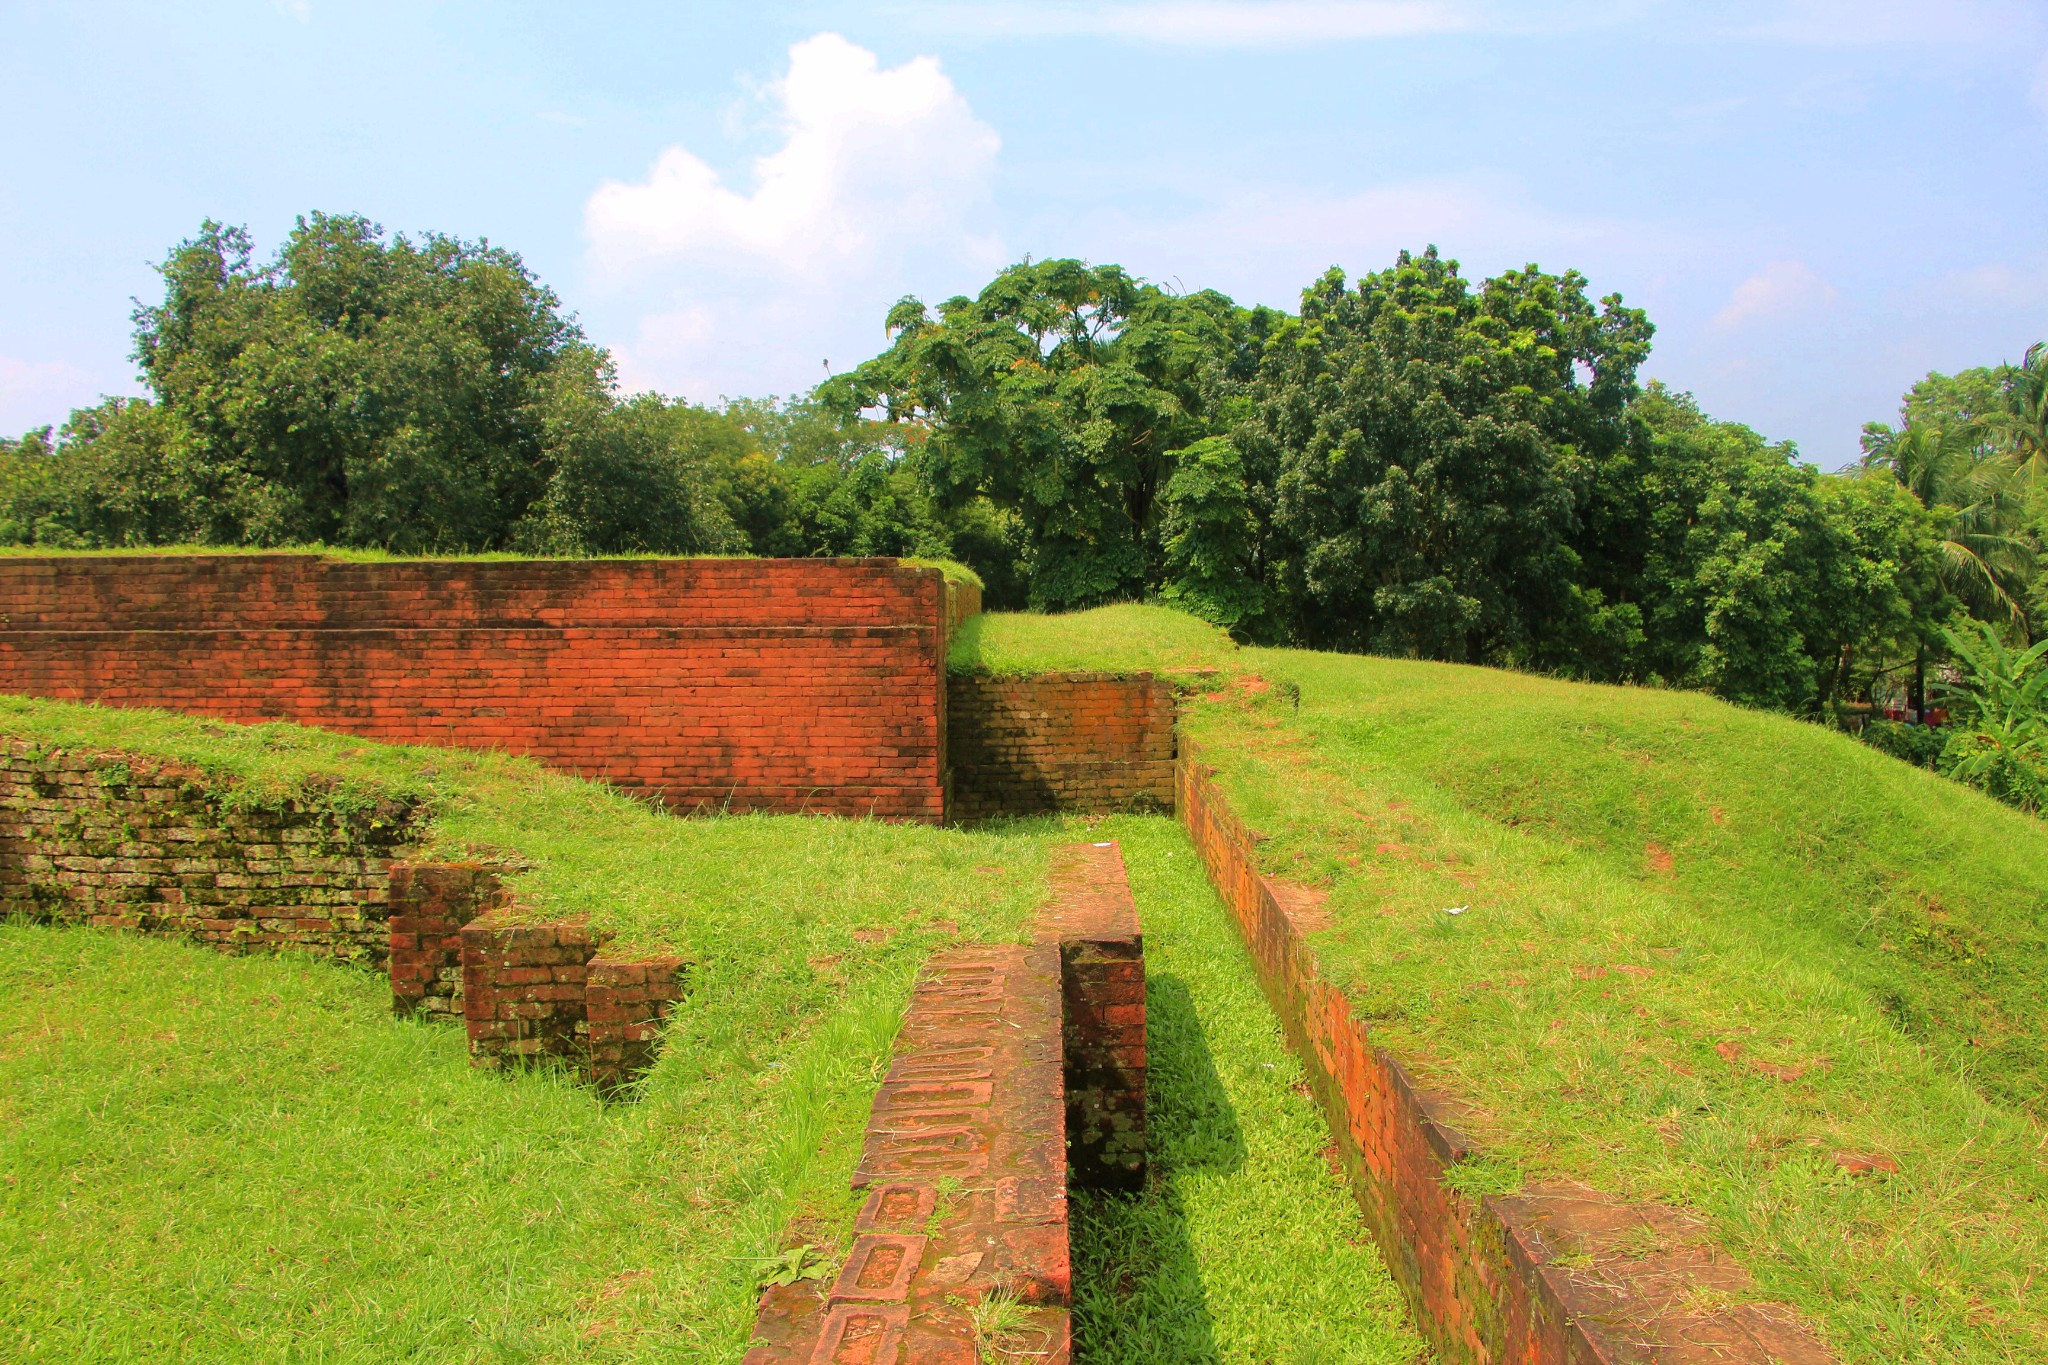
(300, 591)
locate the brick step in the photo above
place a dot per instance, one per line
(1012, 1058)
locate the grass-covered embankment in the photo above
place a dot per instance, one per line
(249, 1159)
(1707, 951)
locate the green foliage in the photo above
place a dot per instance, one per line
(1919, 745)
(1426, 441)
(1719, 561)
(2000, 711)
(1211, 535)
(356, 391)
(1060, 395)
(630, 478)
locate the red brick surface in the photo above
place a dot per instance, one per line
(1094, 920)
(127, 842)
(1080, 742)
(965, 1171)
(716, 684)
(1552, 1276)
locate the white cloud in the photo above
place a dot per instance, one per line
(872, 156)
(880, 187)
(1211, 23)
(1780, 288)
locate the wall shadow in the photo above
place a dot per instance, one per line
(1138, 1292)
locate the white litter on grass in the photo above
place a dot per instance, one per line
(1456, 909)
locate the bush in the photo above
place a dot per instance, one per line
(2015, 774)
(1919, 745)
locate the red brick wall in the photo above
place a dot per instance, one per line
(1094, 920)
(124, 842)
(778, 685)
(1084, 742)
(1556, 1275)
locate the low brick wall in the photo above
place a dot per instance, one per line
(1556, 1275)
(1082, 742)
(125, 842)
(1102, 1002)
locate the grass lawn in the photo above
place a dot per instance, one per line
(248, 1159)
(1704, 951)
(1246, 1248)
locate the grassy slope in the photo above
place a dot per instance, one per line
(249, 1159)
(1706, 950)
(1247, 1247)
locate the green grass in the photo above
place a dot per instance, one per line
(1124, 639)
(1246, 1247)
(171, 1126)
(248, 1159)
(1705, 949)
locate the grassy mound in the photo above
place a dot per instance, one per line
(1701, 954)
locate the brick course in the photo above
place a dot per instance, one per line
(127, 842)
(779, 685)
(1090, 743)
(1094, 921)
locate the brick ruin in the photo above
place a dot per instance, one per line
(752, 685)
(972, 1144)
(712, 684)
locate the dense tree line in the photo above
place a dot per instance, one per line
(1414, 463)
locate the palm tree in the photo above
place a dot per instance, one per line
(1979, 497)
(2022, 429)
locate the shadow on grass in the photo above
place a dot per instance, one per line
(1138, 1292)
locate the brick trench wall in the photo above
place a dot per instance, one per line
(779, 685)
(125, 842)
(1538, 1279)
(1094, 920)
(1080, 742)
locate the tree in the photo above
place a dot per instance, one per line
(1060, 395)
(114, 475)
(1747, 572)
(1980, 513)
(360, 391)
(1427, 443)
(627, 478)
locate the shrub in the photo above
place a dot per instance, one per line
(1919, 745)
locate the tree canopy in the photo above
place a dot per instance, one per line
(1415, 463)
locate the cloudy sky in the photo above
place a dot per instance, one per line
(1817, 200)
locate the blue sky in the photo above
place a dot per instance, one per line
(1816, 200)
